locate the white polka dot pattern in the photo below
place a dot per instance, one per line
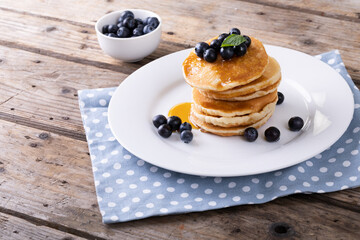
(128, 188)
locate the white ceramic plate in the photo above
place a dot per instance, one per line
(312, 89)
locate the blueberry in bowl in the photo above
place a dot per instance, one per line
(129, 35)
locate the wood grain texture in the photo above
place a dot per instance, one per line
(50, 183)
(19, 229)
(48, 50)
(343, 9)
(302, 31)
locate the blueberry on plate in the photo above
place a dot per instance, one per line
(210, 55)
(174, 122)
(227, 52)
(154, 22)
(129, 22)
(105, 29)
(235, 31)
(112, 35)
(185, 126)
(148, 29)
(248, 40)
(112, 28)
(281, 98)
(296, 123)
(222, 36)
(159, 120)
(165, 131)
(126, 14)
(123, 32)
(272, 134)
(200, 49)
(186, 136)
(251, 134)
(137, 32)
(215, 44)
(240, 50)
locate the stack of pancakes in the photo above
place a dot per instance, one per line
(230, 96)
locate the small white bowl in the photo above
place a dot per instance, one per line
(128, 49)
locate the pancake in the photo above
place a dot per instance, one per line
(222, 74)
(230, 108)
(226, 131)
(235, 121)
(256, 94)
(262, 86)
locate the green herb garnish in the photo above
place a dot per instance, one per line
(233, 40)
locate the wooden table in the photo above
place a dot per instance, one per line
(49, 50)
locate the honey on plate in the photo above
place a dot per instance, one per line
(182, 110)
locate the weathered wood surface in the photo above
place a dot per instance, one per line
(72, 35)
(48, 50)
(17, 228)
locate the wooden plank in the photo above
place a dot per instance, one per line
(16, 228)
(345, 9)
(48, 181)
(76, 41)
(51, 86)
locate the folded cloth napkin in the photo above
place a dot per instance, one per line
(128, 188)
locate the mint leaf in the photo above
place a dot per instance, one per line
(233, 40)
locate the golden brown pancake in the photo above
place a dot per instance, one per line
(243, 120)
(222, 108)
(226, 131)
(222, 74)
(267, 83)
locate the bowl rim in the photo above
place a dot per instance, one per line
(128, 39)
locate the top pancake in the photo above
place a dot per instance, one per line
(222, 74)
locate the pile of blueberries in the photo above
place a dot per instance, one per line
(128, 26)
(272, 134)
(166, 126)
(210, 52)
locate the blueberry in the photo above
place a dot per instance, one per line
(112, 35)
(227, 52)
(251, 134)
(235, 31)
(200, 49)
(146, 20)
(139, 21)
(296, 123)
(215, 44)
(123, 32)
(240, 50)
(105, 29)
(186, 136)
(137, 32)
(148, 28)
(223, 36)
(248, 41)
(272, 134)
(159, 120)
(280, 98)
(210, 55)
(112, 28)
(174, 122)
(129, 22)
(120, 24)
(127, 14)
(153, 21)
(165, 131)
(141, 27)
(185, 126)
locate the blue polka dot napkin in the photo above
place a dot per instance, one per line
(128, 188)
